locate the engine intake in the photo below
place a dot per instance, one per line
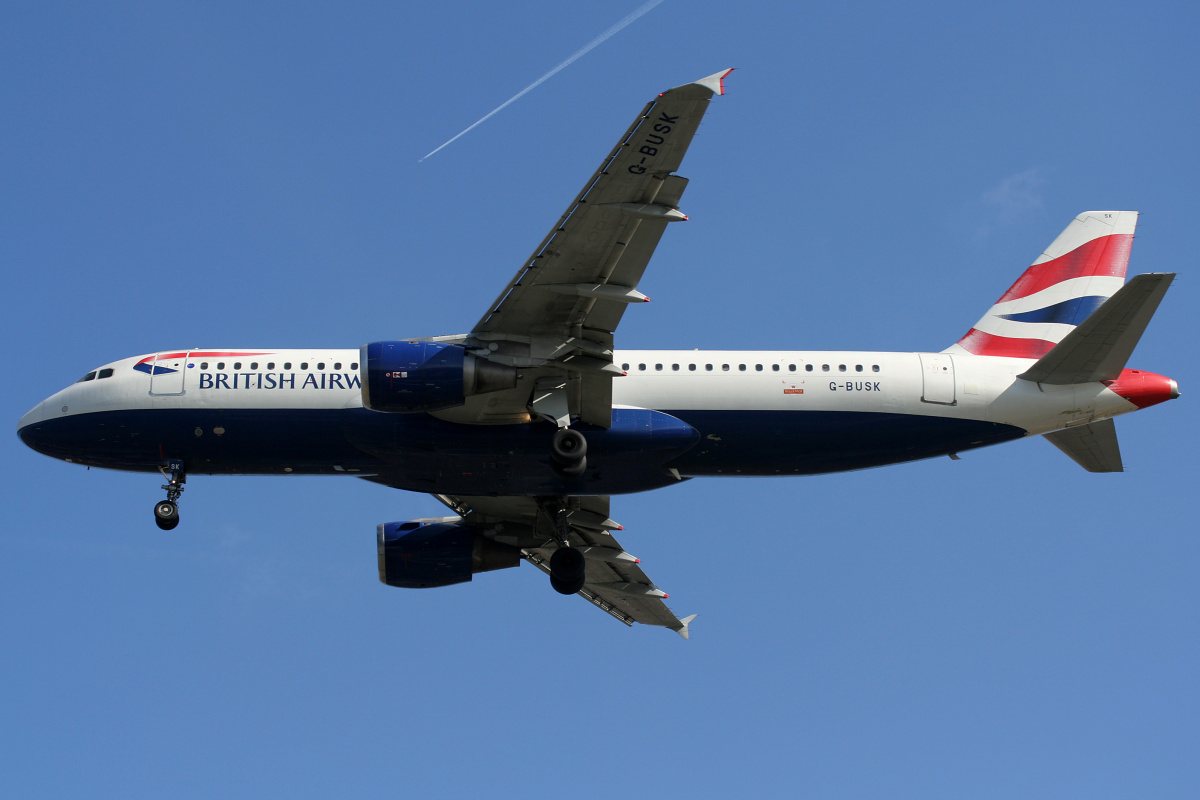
(409, 377)
(420, 554)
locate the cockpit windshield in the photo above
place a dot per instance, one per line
(107, 372)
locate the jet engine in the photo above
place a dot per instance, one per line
(408, 377)
(424, 553)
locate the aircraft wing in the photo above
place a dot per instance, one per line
(615, 581)
(555, 319)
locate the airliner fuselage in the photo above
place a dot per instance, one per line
(677, 414)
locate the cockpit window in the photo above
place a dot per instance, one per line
(91, 376)
(105, 373)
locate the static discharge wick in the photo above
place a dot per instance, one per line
(608, 34)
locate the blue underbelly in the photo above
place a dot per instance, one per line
(644, 450)
(816, 442)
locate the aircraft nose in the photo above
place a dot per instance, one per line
(39, 429)
(31, 418)
(1174, 389)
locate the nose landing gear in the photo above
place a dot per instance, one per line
(166, 512)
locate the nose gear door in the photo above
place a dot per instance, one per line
(167, 373)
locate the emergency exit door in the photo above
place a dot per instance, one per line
(167, 373)
(937, 377)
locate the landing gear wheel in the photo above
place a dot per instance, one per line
(568, 451)
(568, 569)
(166, 515)
(568, 445)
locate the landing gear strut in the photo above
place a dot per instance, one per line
(568, 566)
(166, 512)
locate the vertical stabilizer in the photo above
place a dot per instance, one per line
(1081, 269)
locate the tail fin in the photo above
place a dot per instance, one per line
(1081, 269)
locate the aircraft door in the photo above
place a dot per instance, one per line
(937, 378)
(167, 374)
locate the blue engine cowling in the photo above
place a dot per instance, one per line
(421, 554)
(409, 377)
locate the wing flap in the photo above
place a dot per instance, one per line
(617, 219)
(615, 582)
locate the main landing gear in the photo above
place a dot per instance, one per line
(166, 512)
(568, 566)
(568, 452)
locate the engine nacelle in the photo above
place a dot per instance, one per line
(423, 553)
(409, 377)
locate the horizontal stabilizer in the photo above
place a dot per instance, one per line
(1093, 446)
(1099, 347)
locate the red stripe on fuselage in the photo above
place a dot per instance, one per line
(201, 354)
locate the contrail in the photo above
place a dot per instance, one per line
(608, 34)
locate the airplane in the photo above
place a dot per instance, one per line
(526, 426)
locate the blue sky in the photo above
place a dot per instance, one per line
(245, 174)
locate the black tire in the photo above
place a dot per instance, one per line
(566, 588)
(571, 471)
(568, 447)
(166, 515)
(568, 570)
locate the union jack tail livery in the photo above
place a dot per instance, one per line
(1081, 269)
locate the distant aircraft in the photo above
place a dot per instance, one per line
(526, 425)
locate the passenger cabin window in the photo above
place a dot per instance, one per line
(625, 367)
(105, 373)
(792, 367)
(708, 368)
(724, 368)
(303, 365)
(691, 367)
(354, 365)
(91, 376)
(270, 365)
(841, 367)
(774, 368)
(253, 365)
(337, 365)
(220, 365)
(874, 368)
(658, 367)
(641, 366)
(321, 365)
(287, 365)
(758, 367)
(203, 365)
(237, 365)
(808, 367)
(824, 368)
(741, 367)
(675, 368)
